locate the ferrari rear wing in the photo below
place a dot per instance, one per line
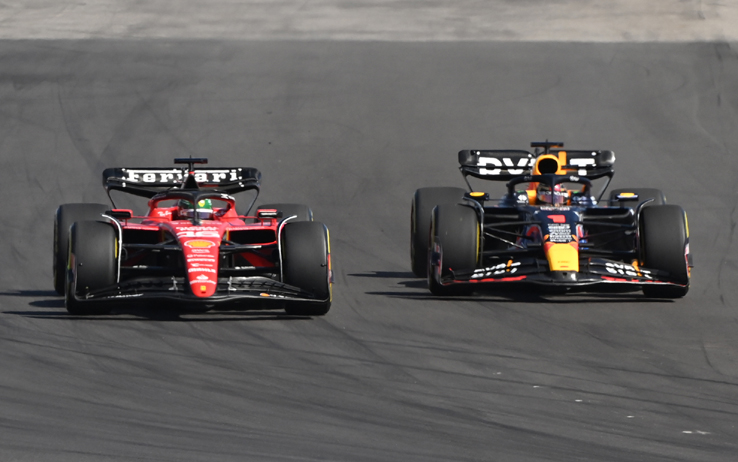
(147, 182)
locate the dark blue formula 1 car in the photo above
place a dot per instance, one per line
(549, 228)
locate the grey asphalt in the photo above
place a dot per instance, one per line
(391, 373)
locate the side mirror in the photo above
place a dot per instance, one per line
(120, 214)
(269, 213)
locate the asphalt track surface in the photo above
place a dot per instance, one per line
(391, 373)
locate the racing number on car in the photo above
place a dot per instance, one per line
(198, 234)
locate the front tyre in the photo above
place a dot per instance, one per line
(92, 248)
(64, 217)
(423, 202)
(306, 264)
(665, 246)
(456, 234)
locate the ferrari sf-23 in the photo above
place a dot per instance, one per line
(191, 247)
(548, 228)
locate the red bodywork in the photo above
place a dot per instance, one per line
(200, 241)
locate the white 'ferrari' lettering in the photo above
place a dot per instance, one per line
(177, 176)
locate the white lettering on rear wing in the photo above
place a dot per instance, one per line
(523, 165)
(176, 176)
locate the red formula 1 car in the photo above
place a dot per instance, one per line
(191, 246)
(548, 229)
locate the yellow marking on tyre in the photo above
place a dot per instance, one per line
(330, 268)
(686, 224)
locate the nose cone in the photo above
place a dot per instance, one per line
(201, 260)
(560, 241)
(562, 257)
(200, 246)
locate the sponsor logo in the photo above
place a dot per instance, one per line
(627, 270)
(503, 268)
(582, 162)
(201, 270)
(202, 279)
(264, 294)
(200, 244)
(196, 250)
(506, 162)
(175, 176)
(209, 260)
(202, 265)
(559, 233)
(196, 228)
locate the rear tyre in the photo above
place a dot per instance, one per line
(92, 246)
(302, 212)
(306, 264)
(456, 229)
(423, 202)
(64, 217)
(665, 245)
(642, 194)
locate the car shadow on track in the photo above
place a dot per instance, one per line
(167, 312)
(527, 294)
(415, 283)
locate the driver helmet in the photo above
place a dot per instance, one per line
(203, 211)
(559, 196)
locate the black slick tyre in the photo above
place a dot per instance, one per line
(300, 211)
(64, 217)
(306, 264)
(424, 200)
(664, 241)
(631, 197)
(92, 247)
(455, 228)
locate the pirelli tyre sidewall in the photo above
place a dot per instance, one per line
(665, 246)
(455, 246)
(64, 217)
(93, 249)
(301, 212)
(306, 264)
(423, 202)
